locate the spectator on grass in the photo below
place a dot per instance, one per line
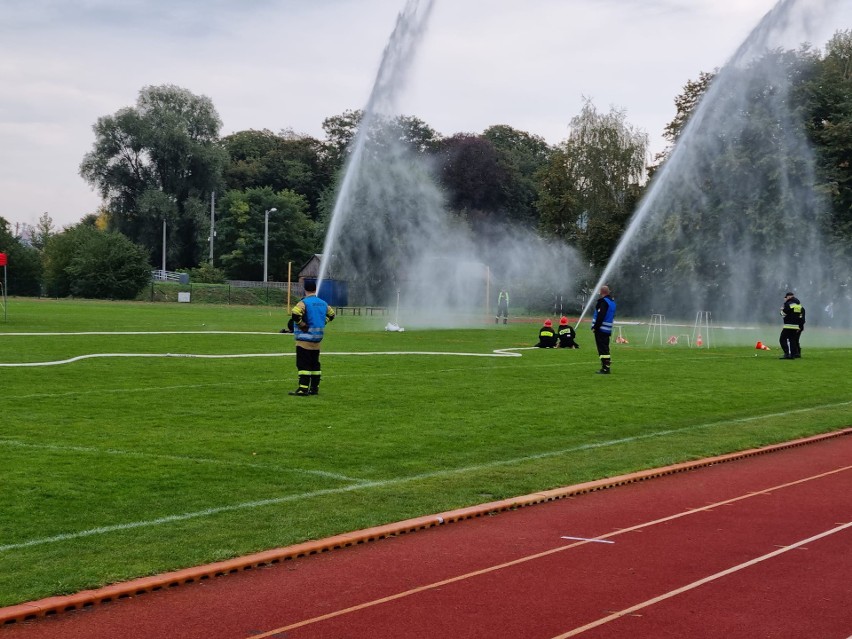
(310, 316)
(547, 337)
(602, 322)
(567, 334)
(502, 306)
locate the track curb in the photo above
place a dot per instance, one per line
(88, 598)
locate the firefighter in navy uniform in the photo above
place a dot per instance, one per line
(310, 316)
(794, 321)
(602, 322)
(547, 337)
(567, 334)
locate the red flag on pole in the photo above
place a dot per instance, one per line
(3, 259)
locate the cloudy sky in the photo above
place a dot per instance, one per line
(279, 64)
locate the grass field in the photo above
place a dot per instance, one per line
(118, 467)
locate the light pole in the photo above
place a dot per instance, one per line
(266, 240)
(164, 248)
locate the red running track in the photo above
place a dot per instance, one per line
(755, 548)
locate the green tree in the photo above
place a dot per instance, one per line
(42, 231)
(24, 270)
(158, 161)
(470, 171)
(85, 262)
(412, 132)
(240, 233)
(279, 161)
(594, 181)
(522, 157)
(828, 99)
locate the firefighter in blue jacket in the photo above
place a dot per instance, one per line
(310, 316)
(602, 322)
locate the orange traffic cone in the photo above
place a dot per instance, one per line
(699, 342)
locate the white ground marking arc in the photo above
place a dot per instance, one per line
(78, 358)
(552, 551)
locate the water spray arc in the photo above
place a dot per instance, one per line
(684, 187)
(397, 59)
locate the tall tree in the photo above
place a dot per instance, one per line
(279, 161)
(158, 162)
(594, 181)
(24, 267)
(471, 172)
(42, 231)
(522, 156)
(828, 98)
(241, 233)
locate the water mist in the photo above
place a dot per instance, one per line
(391, 235)
(732, 219)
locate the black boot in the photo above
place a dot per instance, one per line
(304, 387)
(314, 390)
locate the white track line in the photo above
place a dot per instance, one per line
(545, 553)
(701, 582)
(361, 486)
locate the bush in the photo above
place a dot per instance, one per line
(86, 262)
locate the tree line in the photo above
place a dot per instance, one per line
(158, 163)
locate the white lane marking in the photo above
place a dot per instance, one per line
(528, 558)
(597, 541)
(701, 582)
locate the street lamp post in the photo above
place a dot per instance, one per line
(266, 241)
(164, 248)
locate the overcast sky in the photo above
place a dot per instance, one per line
(279, 64)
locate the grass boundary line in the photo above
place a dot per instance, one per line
(52, 606)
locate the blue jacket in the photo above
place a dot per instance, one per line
(604, 315)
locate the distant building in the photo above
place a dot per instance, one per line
(333, 291)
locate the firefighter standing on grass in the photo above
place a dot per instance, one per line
(794, 323)
(602, 326)
(310, 316)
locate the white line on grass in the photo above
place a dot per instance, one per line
(501, 353)
(179, 458)
(142, 333)
(392, 482)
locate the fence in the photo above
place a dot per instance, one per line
(239, 292)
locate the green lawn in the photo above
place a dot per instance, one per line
(117, 467)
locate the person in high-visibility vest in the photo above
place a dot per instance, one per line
(793, 314)
(502, 306)
(310, 315)
(602, 322)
